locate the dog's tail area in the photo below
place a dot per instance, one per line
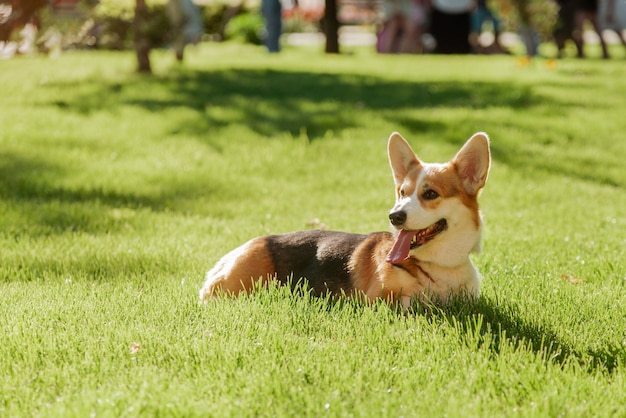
(214, 276)
(239, 270)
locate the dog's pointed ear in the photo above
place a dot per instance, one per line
(401, 157)
(472, 162)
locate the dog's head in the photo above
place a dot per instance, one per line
(436, 216)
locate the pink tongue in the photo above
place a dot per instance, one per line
(401, 247)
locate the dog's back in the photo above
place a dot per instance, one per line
(320, 257)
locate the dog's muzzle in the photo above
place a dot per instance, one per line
(397, 218)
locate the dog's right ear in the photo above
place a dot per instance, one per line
(473, 162)
(401, 157)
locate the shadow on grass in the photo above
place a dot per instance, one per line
(271, 101)
(497, 324)
(24, 179)
(581, 168)
(268, 102)
(44, 205)
(483, 323)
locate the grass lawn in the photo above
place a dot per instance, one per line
(118, 191)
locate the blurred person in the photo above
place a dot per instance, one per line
(14, 15)
(450, 25)
(404, 26)
(612, 16)
(187, 25)
(565, 24)
(526, 31)
(483, 13)
(587, 10)
(272, 13)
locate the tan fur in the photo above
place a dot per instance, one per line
(445, 180)
(241, 270)
(377, 279)
(410, 180)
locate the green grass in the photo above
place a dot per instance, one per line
(118, 191)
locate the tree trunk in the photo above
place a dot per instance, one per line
(331, 27)
(142, 43)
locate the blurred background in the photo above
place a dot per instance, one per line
(389, 26)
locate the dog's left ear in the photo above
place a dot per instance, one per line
(472, 162)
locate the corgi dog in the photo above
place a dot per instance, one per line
(436, 224)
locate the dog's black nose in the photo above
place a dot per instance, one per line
(397, 218)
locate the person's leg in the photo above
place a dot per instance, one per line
(577, 33)
(409, 39)
(451, 31)
(390, 35)
(477, 20)
(593, 18)
(273, 24)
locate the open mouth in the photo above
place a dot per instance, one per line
(422, 236)
(408, 240)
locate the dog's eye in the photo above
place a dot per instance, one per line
(430, 194)
(402, 193)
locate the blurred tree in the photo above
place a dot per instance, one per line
(540, 15)
(16, 14)
(331, 26)
(142, 41)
